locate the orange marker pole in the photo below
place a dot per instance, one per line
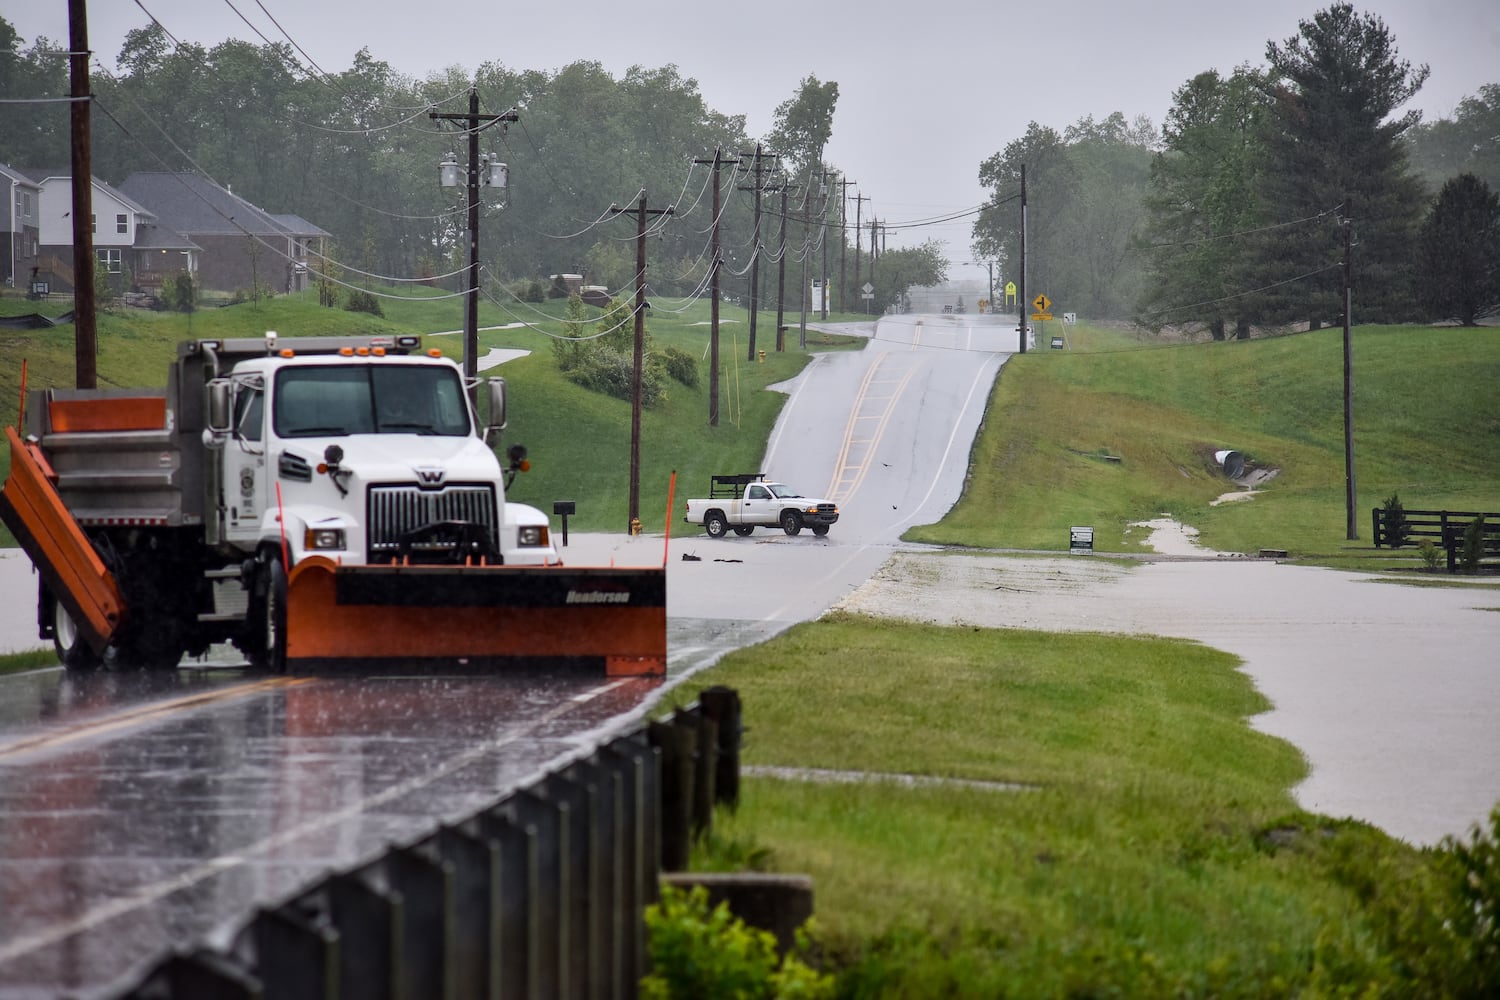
(666, 544)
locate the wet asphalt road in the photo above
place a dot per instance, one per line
(141, 812)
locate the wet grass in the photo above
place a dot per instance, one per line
(1157, 850)
(1426, 418)
(15, 663)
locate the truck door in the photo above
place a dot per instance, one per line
(243, 488)
(754, 508)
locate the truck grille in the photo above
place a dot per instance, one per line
(396, 510)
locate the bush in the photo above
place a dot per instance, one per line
(535, 292)
(1393, 518)
(682, 366)
(1472, 549)
(179, 293)
(363, 302)
(1430, 553)
(603, 369)
(696, 953)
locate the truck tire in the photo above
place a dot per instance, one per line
(744, 530)
(715, 524)
(270, 624)
(72, 651)
(791, 522)
(820, 530)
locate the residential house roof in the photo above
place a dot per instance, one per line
(296, 225)
(196, 206)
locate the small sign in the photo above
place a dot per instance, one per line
(1081, 538)
(867, 295)
(1041, 304)
(1039, 317)
(1057, 343)
(868, 289)
(1070, 318)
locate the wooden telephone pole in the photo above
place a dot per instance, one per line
(86, 344)
(718, 260)
(641, 213)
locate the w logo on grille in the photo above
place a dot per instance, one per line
(430, 475)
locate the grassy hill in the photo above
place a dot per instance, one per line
(1111, 432)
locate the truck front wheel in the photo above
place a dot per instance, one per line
(715, 524)
(791, 522)
(268, 645)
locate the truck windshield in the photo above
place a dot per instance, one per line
(782, 491)
(369, 399)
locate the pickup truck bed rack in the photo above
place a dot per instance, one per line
(732, 486)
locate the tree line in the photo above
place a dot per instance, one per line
(356, 153)
(1235, 215)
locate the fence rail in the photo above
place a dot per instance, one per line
(538, 895)
(1446, 527)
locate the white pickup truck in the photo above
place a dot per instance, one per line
(745, 501)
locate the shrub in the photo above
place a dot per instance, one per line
(1429, 552)
(363, 302)
(696, 952)
(682, 366)
(179, 292)
(1472, 549)
(535, 292)
(1393, 518)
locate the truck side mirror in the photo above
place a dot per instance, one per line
(218, 407)
(496, 389)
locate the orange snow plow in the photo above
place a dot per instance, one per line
(72, 570)
(476, 617)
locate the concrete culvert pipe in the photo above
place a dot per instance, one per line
(1232, 462)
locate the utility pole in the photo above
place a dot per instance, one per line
(874, 245)
(718, 260)
(859, 201)
(474, 123)
(641, 213)
(1022, 304)
(823, 230)
(755, 245)
(1352, 531)
(781, 274)
(844, 241)
(85, 329)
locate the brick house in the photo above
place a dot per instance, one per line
(241, 244)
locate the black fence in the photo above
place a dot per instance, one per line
(538, 895)
(1446, 528)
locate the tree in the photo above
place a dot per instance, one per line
(1198, 203)
(1332, 148)
(803, 125)
(1465, 144)
(909, 267)
(1458, 271)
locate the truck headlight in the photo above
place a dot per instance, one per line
(531, 536)
(323, 538)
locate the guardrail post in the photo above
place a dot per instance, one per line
(705, 767)
(723, 705)
(202, 973)
(575, 806)
(296, 958)
(679, 747)
(424, 885)
(475, 861)
(518, 930)
(549, 835)
(368, 921)
(640, 853)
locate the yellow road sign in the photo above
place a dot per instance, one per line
(1041, 316)
(1042, 304)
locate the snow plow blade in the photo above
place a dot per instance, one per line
(36, 515)
(476, 618)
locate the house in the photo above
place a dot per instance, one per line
(19, 223)
(242, 245)
(129, 241)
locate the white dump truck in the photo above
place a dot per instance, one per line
(747, 500)
(314, 501)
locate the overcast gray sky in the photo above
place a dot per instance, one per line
(927, 90)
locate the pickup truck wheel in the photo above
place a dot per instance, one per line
(72, 650)
(714, 524)
(791, 522)
(820, 530)
(743, 530)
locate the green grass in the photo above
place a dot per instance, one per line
(1157, 852)
(1426, 420)
(32, 659)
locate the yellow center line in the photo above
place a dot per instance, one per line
(145, 713)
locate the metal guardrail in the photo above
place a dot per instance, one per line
(538, 895)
